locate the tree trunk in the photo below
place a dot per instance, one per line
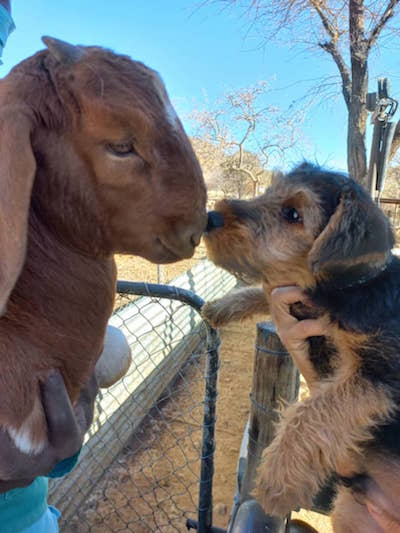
(357, 121)
(356, 147)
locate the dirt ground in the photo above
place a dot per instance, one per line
(160, 468)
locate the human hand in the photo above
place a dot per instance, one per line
(384, 511)
(66, 427)
(294, 333)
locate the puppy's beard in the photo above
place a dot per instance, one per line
(242, 270)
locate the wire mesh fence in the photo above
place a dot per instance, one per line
(391, 208)
(148, 454)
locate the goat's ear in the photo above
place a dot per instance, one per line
(65, 53)
(17, 171)
(357, 240)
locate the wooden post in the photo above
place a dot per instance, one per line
(275, 378)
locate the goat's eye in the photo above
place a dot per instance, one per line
(122, 149)
(291, 215)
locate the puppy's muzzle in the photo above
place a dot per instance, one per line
(215, 221)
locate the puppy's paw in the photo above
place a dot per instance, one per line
(216, 313)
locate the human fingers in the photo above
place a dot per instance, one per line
(295, 335)
(61, 422)
(84, 407)
(304, 329)
(385, 521)
(287, 295)
(280, 301)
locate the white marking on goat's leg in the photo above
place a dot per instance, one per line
(31, 436)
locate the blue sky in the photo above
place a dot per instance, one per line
(197, 51)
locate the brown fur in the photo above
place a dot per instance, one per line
(68, 202)
(259, 242)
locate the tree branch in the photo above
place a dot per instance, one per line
(386, 15)
(247, 172)
(332, 49)
(329, 27)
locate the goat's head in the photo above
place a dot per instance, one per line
(91, 143)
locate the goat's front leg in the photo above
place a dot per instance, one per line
(315, 438)
(236, 305)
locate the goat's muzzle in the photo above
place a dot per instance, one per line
(183, 239)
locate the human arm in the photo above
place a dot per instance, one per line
(6, 23)
(6, 4)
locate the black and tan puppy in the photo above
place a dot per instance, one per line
(322, 232)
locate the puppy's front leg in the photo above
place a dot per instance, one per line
(315, 438)
(236, 305)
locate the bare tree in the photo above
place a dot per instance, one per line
(237, 137)
(347, 31)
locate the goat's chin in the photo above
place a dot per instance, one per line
(168, 252)
(161, 254)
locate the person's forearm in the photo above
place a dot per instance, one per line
(6, 4)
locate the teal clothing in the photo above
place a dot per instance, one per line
(64, 467)
(6, 27)
(48, 523)
(22, 509)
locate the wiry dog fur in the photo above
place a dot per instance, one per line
(322, 232)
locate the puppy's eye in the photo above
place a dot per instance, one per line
(291, 215)
(122, 149)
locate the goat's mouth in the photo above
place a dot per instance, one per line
(167, 252)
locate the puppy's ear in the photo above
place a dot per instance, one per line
(17, 171)
(357, 239)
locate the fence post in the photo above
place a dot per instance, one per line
(275, 378)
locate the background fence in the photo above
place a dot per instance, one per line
(139, 468)
(391, 207)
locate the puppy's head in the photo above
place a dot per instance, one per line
(311, 226)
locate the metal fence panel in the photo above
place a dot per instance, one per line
(154, 415)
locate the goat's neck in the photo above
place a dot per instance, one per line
(67, 273)
(59, 308)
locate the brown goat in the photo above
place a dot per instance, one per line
(93, 161)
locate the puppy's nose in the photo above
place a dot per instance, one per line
(215, 220)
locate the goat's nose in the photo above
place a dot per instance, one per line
(215, 220)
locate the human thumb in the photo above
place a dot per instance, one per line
(387, 522)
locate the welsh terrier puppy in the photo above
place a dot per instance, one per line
(322, 232)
